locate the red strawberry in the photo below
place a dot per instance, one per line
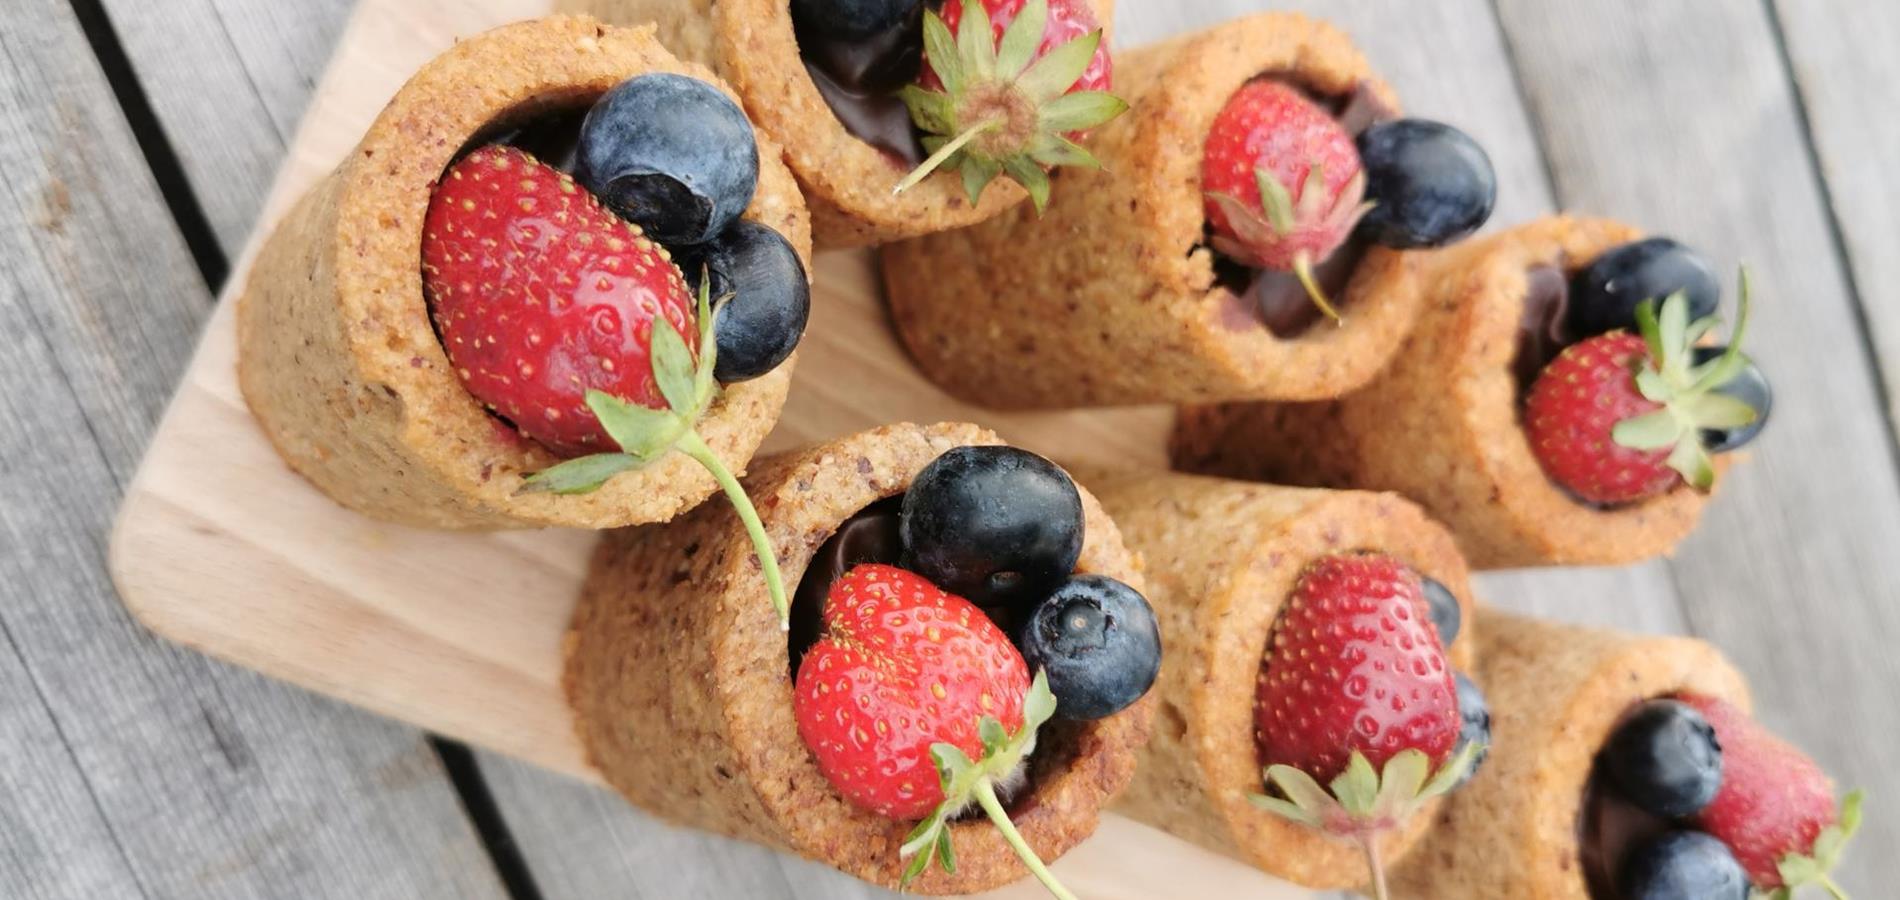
(1067, 20)
(1283, 181)
(540, 294)
(1621, 417)
(901, 666)
(1356, 666)
(1006, 88)
(916, 705)
(1774, 805)
(1573, 409)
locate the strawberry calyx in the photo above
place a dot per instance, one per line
(1002, 110)
(1362, 802)
(1311, 225)
(967, 781)
(1688, 393)
(1816, 866)
(646, 435)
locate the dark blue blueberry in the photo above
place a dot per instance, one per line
(1474, 715)
(770, 297)
(1447, 616)
(1097, 640)
(1665, 759)
(850, 19)
(671, 154)
(998, 526)
(1750, 387)
(1683, 865)
(1430, 183)
(1604, 296)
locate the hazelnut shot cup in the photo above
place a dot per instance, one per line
(837, 84)
(1224, 560)
(1454, 421)
(339, 358)
(1130, 288)
(685, 698)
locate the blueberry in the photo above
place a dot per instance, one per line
(1665, 759)
(1750, 387)
(1097, 640)
(1443, 607)
(1683, 865)
(1474, 717)
(997, 526)
(770, 297)
(671, 154)
(850, 19)
(1604, 296)
(1430, 183)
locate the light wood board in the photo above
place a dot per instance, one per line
(222, 548)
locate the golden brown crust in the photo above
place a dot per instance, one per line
(847, 182)
(1110, 297)
(678, 675)
(1220, 558)
(1556, 692)
(1441, 425)
(337, 357)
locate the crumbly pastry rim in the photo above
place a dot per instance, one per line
(1556, 692)
(1268, 534)
(427, 453)
(771, 791)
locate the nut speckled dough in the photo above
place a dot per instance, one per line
(1221, 558)
(1556, 692)
(679, 678)
(1441, 424)
(336, 354)
(1110, 298)
(847, 181)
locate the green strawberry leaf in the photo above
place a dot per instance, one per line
(1400, 783)
(1286, 810)
(1361, 800)
(1021, 39)
(1059, 69)
(1275, 200)
(977, 175)
(1040, 706)
(641, 432)
(1032, 177)
(974, 42)
(1719, 411)
(1452, 772)
(1691, 460)
(1358, 787)
(1056, 150)
(673, 368)
(941, 47)
(1650, 431)
(929, 110)
(1080, 111)
(578, 476)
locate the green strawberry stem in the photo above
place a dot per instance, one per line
(1303, 269)
(986, 798)
(943, 154)
(1370, 842)
(694, 446)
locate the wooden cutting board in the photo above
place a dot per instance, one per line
(220, 547)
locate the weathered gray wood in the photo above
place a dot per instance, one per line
(228, 81)
(135, 768)
(1849, 79)
(1680, 116)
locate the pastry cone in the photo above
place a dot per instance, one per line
(847, 182)
(1221, 557)
(337, 356)
(1111, 297)
(680, 680)
(1556, 694)
(1441, 425)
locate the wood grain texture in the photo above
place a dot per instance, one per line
(132, 768)
(1848, 77)
(1694, 132)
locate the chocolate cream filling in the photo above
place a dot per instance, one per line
(1540, 332)
(1276, 300)
(859, 80)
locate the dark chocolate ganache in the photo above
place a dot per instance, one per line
(1541, 334)
(859, 79)
(1277, 300)
(870, 536)
(1607, 830)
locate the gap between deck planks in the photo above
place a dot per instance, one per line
(1428, 83)
(133, 768)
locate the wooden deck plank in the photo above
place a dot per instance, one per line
(1849, 81)
(1680, 117)
(228, 81)
(147, 770)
